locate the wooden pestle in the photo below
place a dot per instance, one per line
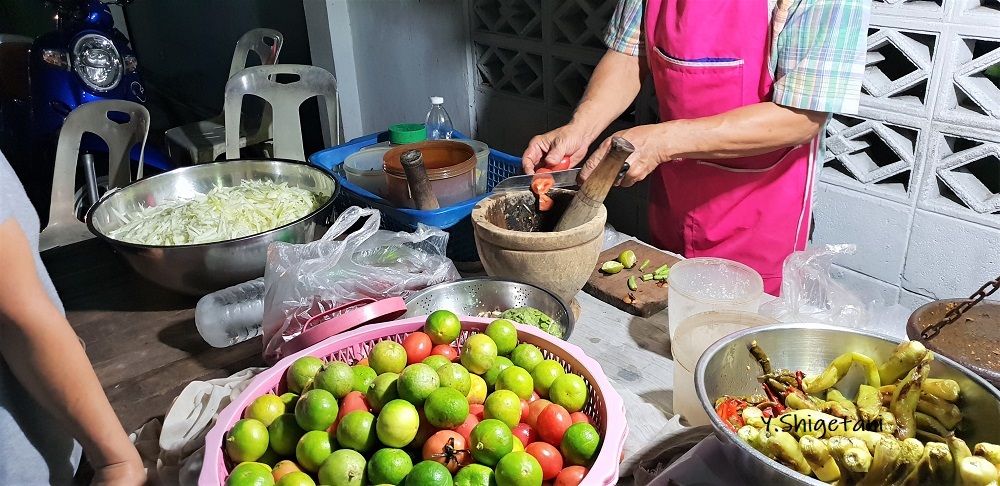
(590, 197)
(416, 177)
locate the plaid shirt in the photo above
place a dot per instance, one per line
(817, 50)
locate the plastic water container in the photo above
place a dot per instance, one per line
(694, 336)
(482, 161)
(231, 315)
(364, 169)
(438, 123)
(705, 284)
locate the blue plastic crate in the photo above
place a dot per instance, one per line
(454, 219)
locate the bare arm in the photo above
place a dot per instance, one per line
(612, 89)
(748, 130)
(43, 352)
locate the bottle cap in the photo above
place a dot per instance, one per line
(437, 100)
(403, 133)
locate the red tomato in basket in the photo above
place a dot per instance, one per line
(552, 424)
(418, 346)
(535, 408)
(466, 428)
(525, 433)
(477, 410)
(571, 476)
(354, 400)
(363, 362)
(548, 457)
(578, 417)
(445, 350)
(534, 396)
(524, 408)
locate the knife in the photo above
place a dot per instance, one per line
(562, 178)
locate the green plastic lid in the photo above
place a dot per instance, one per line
(401, 133)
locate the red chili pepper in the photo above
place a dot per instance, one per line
(799, 375)
(730, 412)
(778, 408)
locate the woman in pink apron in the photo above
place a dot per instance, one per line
(731, 170)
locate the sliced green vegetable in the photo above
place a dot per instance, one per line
(647, 277)
(631, 283)
(643, 266)
(664, 269)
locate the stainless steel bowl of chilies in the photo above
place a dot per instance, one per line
(816, 404)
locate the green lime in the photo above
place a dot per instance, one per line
(247, 440)
(526, 356)
(446, 408)
(336, 377)
(387, 357)
(504, 334)
(301, 373)
(296, 478)
(499, 365)
(429, 473)
(519, 469)
(477, 392)
(316, 410)
(503, 405)
(265, 408)
(289, 399)
(436, 361)
(544, 374)
(363, 377)
(397, 423)
(479, 353)
(627, 258)
(580, 444)
(285, 433)
(489, 441)
(570, 391)
(270, 457)
(357, 431)
(382, 391)
(475, 475)
(416, 383)
(313, 448)
(612, 267)
(250, 474)
(454, 375)
(517, 380)
(443, 326)
(345, 467)
(389, 466)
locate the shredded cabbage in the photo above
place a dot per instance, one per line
(225, 213)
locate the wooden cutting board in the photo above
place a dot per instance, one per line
(650, 298)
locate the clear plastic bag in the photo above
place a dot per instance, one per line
(809, 292)
(304, 280)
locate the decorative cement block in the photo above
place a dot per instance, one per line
(967, 97)
(869, 290)
(962, 176)
(908, 8)
(948, 257)
(879, 228)
(898, 70)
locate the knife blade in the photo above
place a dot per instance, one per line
(561, 178)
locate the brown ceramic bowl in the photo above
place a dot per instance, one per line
(973, 340)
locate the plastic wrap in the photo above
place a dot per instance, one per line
(303, 280)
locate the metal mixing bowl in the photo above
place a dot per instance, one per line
(202, 268)
(470, 296)
(726, 368)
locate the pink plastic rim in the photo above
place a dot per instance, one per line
(605, 405)
(320, 326)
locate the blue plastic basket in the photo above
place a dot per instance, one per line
(453, 219)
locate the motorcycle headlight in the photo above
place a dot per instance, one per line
(97, 62)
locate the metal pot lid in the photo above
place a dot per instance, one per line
(973, 340)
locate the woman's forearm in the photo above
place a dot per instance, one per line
(611, 90)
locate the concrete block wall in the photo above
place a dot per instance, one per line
(914, 179)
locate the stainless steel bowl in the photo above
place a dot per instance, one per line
(203, 268)
(726, 368)
(470, 296)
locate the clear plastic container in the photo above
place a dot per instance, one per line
(482, 161)
(231, 315)
(705, 284)
(694, 336)
(438, 123)
(451, 169)
(364, 169)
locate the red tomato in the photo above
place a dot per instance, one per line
(354, 400)
(552, 424)
(548, 457)
(363, 362)
(535, 408)
(418, 346)
(524, 408)
(525, 433)
(445, 350)
(477, 410)
(571, 476)
(534, 396)
(449, 448)
(466, 428)
(545, 202)
(578, 417)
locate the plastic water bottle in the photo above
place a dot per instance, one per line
(231, 315)
(438, 122)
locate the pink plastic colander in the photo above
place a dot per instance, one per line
(604, 405)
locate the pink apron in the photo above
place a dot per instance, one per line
(709, 57)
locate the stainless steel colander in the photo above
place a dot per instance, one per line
(475, 295)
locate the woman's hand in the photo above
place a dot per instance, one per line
(550, 148)
(652, 148)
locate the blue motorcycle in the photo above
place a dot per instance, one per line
(85, 59)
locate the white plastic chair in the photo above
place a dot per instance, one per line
(204, 141)
(285, 100)
(63, 226)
